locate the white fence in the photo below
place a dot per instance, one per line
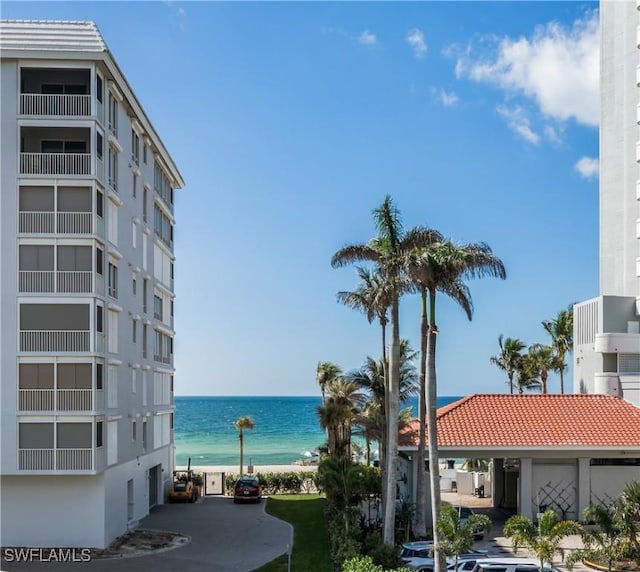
(55, 163)
(55, 104)
(54, 341)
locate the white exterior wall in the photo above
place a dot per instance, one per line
(47, 511)
(608, 482)
(619, 211)
(84, 508)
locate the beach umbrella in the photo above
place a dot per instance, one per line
(309, 454)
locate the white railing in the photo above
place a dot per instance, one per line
(55, 400)
(36, 280)
(55, 104)
(55, 163)
(37, 221)
(35, 459)
(54, 341)
(56, 222)
(74, 459)
(55, 281)
(36, 400)
(74, 222)
(74, 280)
(74, 399)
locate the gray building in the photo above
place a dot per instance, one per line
(606, 329)
(86, 286)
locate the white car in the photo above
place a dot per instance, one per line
(512, 564)
(419, 556)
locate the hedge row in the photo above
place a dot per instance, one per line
(280, 483)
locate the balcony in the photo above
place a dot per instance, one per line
(50, 222)
(162, 359)
(55, 163)
(55, 460)
(55, 400)
(59, 105)
(65, 281)
(617, 343)
(55, 341)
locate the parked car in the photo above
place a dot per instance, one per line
(510, 565)
(247, 488)
(419, 556)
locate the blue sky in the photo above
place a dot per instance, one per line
(291, 121)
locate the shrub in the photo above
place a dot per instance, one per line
(366, 564)
(279, 483)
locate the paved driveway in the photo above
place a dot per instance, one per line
(225, 538)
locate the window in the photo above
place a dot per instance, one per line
(55, 146)
(99, 319)
(171, 388)
(144, 153)
(99, 145)
(113, 168)
(134, 330)
(157, 307)
(133, 430)
(134, 285)
(144, 204)
(134, 380)
(63, 89)
(99, 88)
(99, 261)
(99, 374)
(99, 203)
(144, 340)
(135, 185)
(135, 147)
(144, 435)
(113, 280)
(144, 294)
(113, 114)
(162, 185)
(162, 226)
(99, 435)
(171, 308)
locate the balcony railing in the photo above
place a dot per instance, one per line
(55, 281)
(36, 400)
(55, 104)
(161, 359)
(55, 400)
(55, 459)
(55, 341)
(55, 163)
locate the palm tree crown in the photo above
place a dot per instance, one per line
(509, 357)
(561, 331)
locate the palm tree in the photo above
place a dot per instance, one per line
(241, 424)
(456, 537)
(337, 415)
(542, 360)
(443, 267)
(561, 331)
(605, 540)
(386, 251)
(527, 374)
(509, 357)
(326, 372)
(544, 539)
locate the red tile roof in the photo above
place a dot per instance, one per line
(505, 420)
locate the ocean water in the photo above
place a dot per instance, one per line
(284, 428)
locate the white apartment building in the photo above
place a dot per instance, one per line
(86, 289)
(606, 329)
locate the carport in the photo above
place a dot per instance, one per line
(562, 452)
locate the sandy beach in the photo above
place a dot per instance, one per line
(233, 469)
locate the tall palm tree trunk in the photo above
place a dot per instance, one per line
(510, 376)
(241, 451)
(421, 475)
(434, 467)
(561, 359)
(382, 446)
(392, 424)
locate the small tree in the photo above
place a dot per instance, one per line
(543, 539)
(455, 537)
(241, 424)
(605, 540)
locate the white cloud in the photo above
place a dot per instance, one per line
(178, 12)
(553, 134)
(556, 67)
(588, 167)
(448, 99)
(519, 123)
(367, 38)
(415, 38)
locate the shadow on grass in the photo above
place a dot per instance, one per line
(310, 541)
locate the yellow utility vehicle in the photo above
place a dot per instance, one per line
(183, 487)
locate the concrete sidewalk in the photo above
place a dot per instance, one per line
(225, 537)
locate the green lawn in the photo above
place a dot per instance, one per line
(310, 543)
